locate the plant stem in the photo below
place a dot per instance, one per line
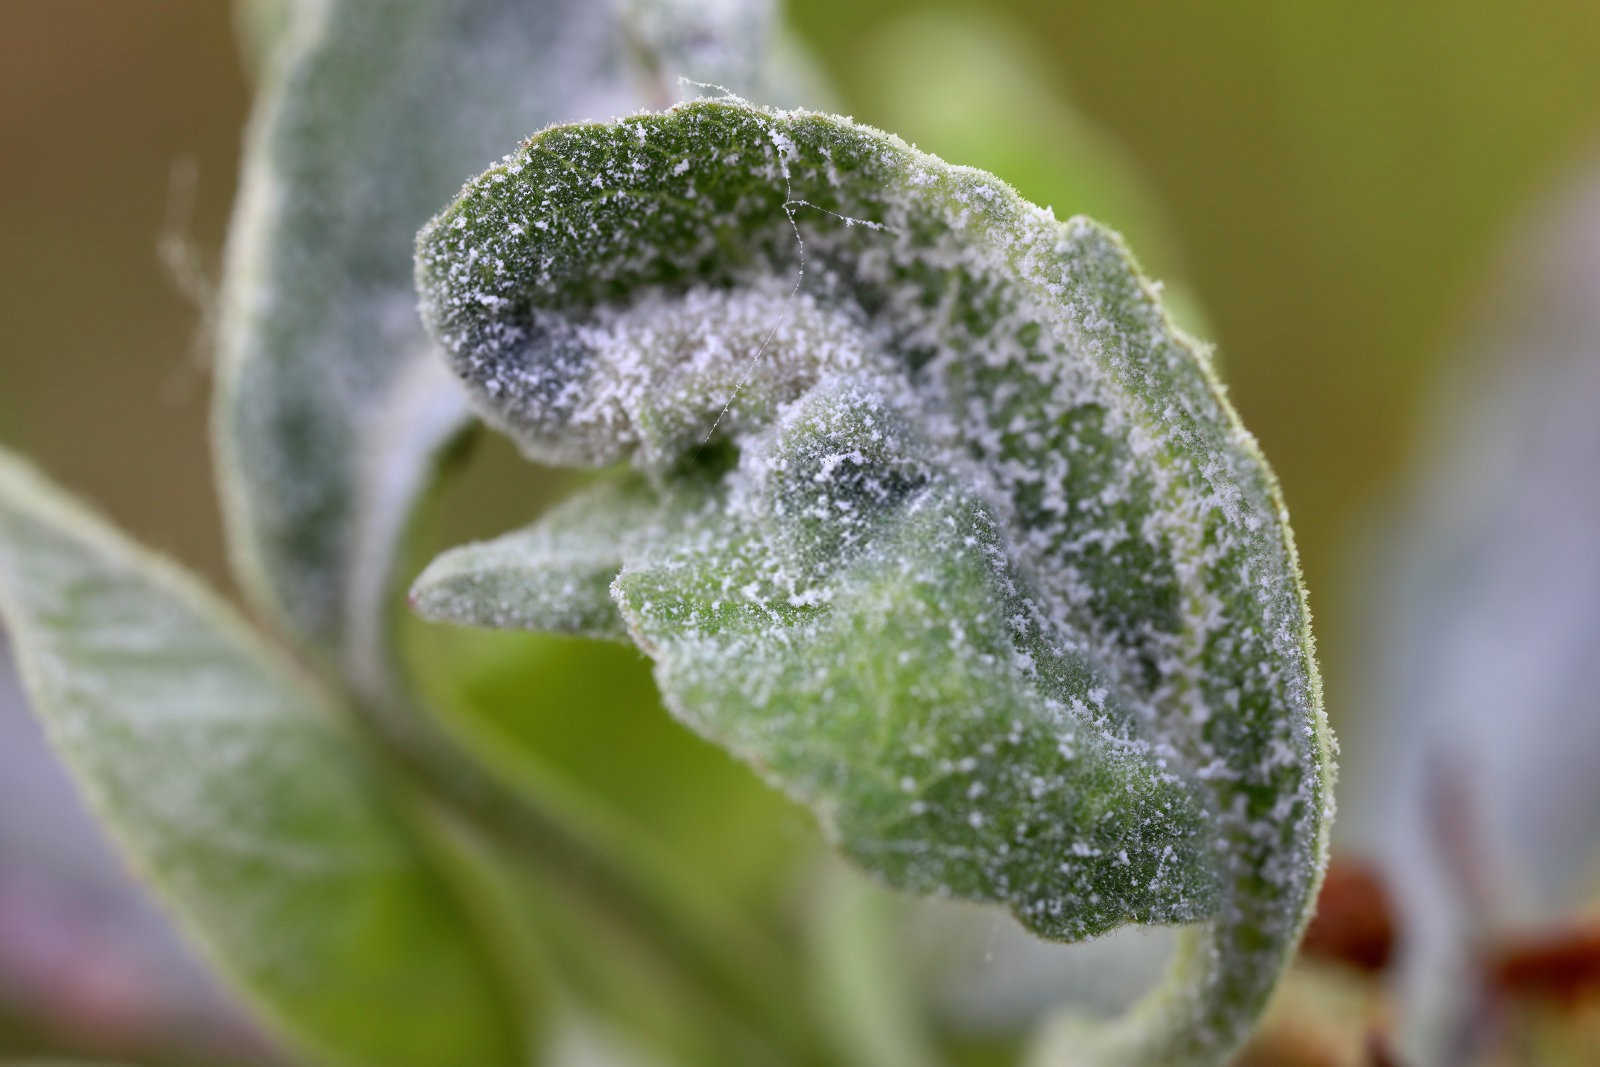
(722, 958)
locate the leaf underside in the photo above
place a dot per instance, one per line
(231, 787)
(957, 541)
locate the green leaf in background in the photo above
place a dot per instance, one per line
(993, 578)
(262, 26)
(330, 409)
(1046, 149)
(231, 785)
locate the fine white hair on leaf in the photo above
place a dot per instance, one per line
(1010, 593)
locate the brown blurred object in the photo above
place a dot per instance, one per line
(1285, 1047)
(1354, 923)
(1380, 1053)
(1324, 1016)
(1561, 964)
(1338, 1016)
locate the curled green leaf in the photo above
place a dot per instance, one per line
(990, 575)
(231, 785)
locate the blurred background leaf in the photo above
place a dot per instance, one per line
(270, 831)
(1474, 774)
(86, 960)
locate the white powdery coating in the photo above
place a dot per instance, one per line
(556, 575)
(660, 367)
(965, 346)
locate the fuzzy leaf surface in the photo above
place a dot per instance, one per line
(555, 575)
(997, 583)
(230, 785)
(331, 409)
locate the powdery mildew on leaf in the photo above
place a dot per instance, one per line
(232, 787)
(556, 575)
(993, 579)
